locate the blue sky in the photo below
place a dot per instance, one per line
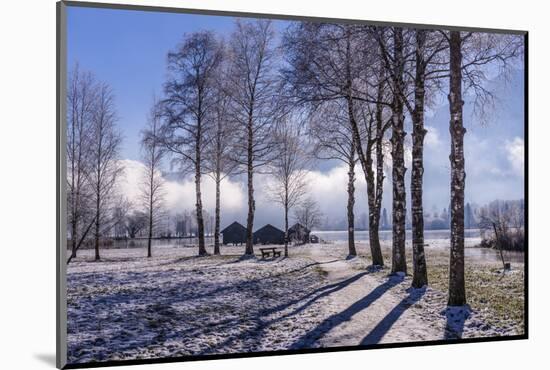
(127, 49)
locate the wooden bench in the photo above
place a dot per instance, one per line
(266, 252)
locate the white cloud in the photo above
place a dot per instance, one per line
(515, 153)
(180, 195)
(329, 189)
(432, 138)
(130, 183)
(487, 168)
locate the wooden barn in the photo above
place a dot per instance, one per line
(234, 234)
(269, 234)
(298, 234)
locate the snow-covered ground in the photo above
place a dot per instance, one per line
(130, 307)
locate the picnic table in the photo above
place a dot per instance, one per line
(266, 252)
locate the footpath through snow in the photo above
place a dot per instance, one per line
(369, 307)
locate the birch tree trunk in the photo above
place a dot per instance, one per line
(374, 207)
(150, 233)
(420, 274)
(151, 197)
(80, 178)
(286, 223)
(375, 200)
(97, 223)
(218, 182)
(152, 191)
(249, 250)
(374, 215)
(74, 221)
(351, 202)
(217, 217)
(457, 290)
(200, 218)
(398, 159)
(98, 193)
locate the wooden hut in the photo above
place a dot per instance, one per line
(314, 239)
(299, 234)
(269, 234)
(234, 234)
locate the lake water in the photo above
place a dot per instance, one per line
(472, 239)
(363, 236)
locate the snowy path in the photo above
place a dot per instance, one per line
(369, 308)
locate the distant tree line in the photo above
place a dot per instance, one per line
(502, 225)
(432, 220)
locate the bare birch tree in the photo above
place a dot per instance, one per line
(428, 46)
(288, 169)
(470, 57)
(253, 94)
(502, 225)
(152, 194)
(393, 48)
(420, 54)
(326, 63)
(105, 145)
(399, 263)
(135, 222)
(457, 289)
(80, 99)
(220, 154)
(430, 50)
(308, 213)
(188, 104)
(333, 140)
(372, 147)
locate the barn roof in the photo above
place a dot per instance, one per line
(233, 226)
(269, 228)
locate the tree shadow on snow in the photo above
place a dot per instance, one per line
(162, 321)
(456, 317)
(304, 302)
(378, 332)
(334, 320)
(317, 294)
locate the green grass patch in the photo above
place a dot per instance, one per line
(501, 298)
